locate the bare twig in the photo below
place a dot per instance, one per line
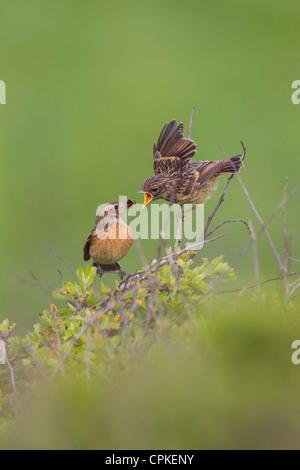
(241, 289)
(285, 238)
(281, 267)
(179, 229)
(218, 205)
(62, 259)
(53, 309)
(294, 286)
(79, 305)
(46, 289)
(229, 222)
(191, 122)
(258, 235)
(62, 279)
(169, 258)
(255, 256)
(203, 236)
(12, 374)
(294, 259)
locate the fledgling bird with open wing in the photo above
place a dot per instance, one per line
(178, 179)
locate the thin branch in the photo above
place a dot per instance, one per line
(258, 235)
(179, 228)
(79, 305)
(173, 256)
(227, 222)
(281, 267)
(294, 288)
(218, 205)
(224, 192)
(191, 122)
(294, 259)
(35, 284)
(203, 236)
(12, 374)
(46, 289)
(285, 238)
(295, 297)
(62, 279)
(255, 255)
(84, 328)
(53, 310)
(62, 259)
(256, 284)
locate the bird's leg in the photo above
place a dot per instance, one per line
(121, 272)
(110, 269)
(180, 218)
(100, 271)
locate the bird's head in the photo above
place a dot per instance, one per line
(157, 187)
(108, 214)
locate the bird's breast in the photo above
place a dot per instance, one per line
(190, 194)
(111, 244)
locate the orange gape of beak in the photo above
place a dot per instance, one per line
(147, 198)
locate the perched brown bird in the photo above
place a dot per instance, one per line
(178, 179)
(111, 238)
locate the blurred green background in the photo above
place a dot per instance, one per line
(89, 87)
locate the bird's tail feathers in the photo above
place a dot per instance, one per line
(233, 165)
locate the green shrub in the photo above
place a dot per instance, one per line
(159, 362)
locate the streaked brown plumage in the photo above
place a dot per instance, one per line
(178, 179)
(110, 240)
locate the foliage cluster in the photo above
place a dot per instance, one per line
(87, 333)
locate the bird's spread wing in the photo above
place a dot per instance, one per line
(173, 150)
(203, 171)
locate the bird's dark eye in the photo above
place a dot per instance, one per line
(116, 208)
(154, 190)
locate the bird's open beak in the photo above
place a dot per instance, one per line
(147, 198)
